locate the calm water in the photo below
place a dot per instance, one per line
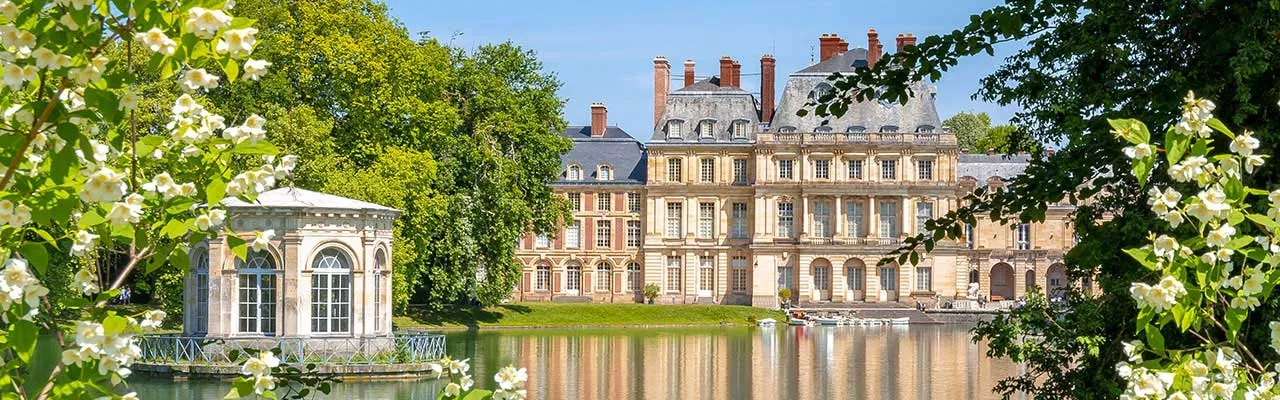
(919, 362)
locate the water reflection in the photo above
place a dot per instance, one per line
(920, 362)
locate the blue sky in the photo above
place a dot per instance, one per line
(604, 52)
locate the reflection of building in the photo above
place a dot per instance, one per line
(325, 274)
(732, 199)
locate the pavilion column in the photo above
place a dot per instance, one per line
(222, 293)
(295, 288)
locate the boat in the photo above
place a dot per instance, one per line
(767, 322)
(898, 321)
(828, 321)
(798, 322)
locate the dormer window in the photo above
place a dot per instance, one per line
(739, 129)
(707, 128)
(604, 173)
(889, 128)
(574, 173)
(675, 128)
(816, 94)
(856, 129)
(924, 129)
(787, 129)
(822, 129)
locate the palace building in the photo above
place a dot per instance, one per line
(733, 198)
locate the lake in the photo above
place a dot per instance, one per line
(853, 362)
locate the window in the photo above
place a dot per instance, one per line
(675, 211)
(706, 129)
(889, 129)
(853, 218)
(673, 274)
(786, 220)
(888, 219)
(604, 234)
(707, 170)
(822, 219)
(604, 202)
(706, 220)
(924, 129)
(604, 173)
(573, 279)
(888, 170)
(257, 290)
(604, 277)
(706, 273)
(739, 217)
(889, 278)
(633, 233)
(542, 278)
(924, 279)
(924, 212)
(674, 170)
(856, 129)
(968, 235)
(331, 292)
(574, 173)
(784, 169)
(739, 171)
(787, 129)
(573, 235)
(634, 277)
(853, 278)
(379, 264)
(739, 129)
(822, 169)
(822, 129)
(855, 169)
(575, 201)
(201, 266)
(784, 278)
(542, 241)
(738, 280)
(924, 170)
(675, 128)
(822, 277)
(633, 202)
(1024, 237)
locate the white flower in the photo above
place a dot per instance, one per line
(1275, 335)
(1141, 150)
(72, 357)
(186, 104)
(205, 23)
(436, 368)
(1245, 302)
(237, 42)
(261, 384)
(466, 382)
(1252, 162)
(128, 101)
(1133, 350)
(260, 365)
(262, 239)
(1175, 218)
(1215, 200)
(8, 10)
(45, 58)
(85, 282)
(103, 186)
(216, 216)
(152, 319)
(126, 212)
(199, 78)
(1244, 144)
(90, 335)
(509, 378)
(83, 243)
(255, 69)
(157, 41)
(1219, 237)
(164, 185)
(1165, 246)
(452, 390)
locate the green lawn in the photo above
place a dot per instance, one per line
(581, 314)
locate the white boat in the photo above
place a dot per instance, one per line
(898, 321)
(798, 322)
(828, 321)
(767, 322)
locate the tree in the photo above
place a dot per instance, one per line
(1086, 62)
(970, 129)
(1005, 139)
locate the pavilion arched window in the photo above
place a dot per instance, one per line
(379, 265)
(257, 294)
(331, 292)
(200, 265)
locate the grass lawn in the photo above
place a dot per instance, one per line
(578, 314)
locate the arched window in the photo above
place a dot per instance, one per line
(924, 129)
(856, 129)
(707, 129)
(379, 264)
(574, 173)
(331, 292)
(604, 277)
(822, 129)
(889, 129)
(257, 293)
(542, 277)
(822, 89)
(633, 276)
(739, 129)
(200, 265)
(787, 129)
(604, 173)
(675, 128)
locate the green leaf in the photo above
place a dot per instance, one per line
(231, 68)
(44, 359)
(37, 256)
(114, 325)
(1235, 217)
(216, 191)
(1155, 340)
(1235, 318)
(1240, 242)
(1175, 145)
(1131, 130)
(260, 147)
(1144, 256)
(1142, 169)
(91, 218)
(22, 338)
(238, 247)
(174, 229)
(477, 395)
(240, 388)
(1220, 127)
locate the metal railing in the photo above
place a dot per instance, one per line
(399, 349)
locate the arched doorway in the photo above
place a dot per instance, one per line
(889, 282)
(855, 272)
(331, 292)
(1002, 284)
(1055, 281)
(821, 270)
(1030, 284)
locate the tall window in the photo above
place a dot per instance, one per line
(888, 219)
(633, 233)
(201, 266)
(573, 279)
(786, 220)
(924, 170)
(673, 274)
(604, 173)
(1024, 237)
(706, 220)
(853, 218)
(924, 212)
(675, 128)
(604, 234)
(331, 292)
(739, 170)
(706, 273)
(707, 170)
(542, 242)
(784, 169)
(542, 278)
(707, 129)
(853, 278)
(889, 278)
(855, 170)
(784, 277)
(574, 173)
(604, 201)
(674, 169)
(575, 201)
(604, 277)
(822, 169)
(888, 170)
(739, 217)
(257, 292)
(969, 237)
(822, 277)
(379, 264)
(675, 212)
(739, 129)
(633, 202)
(822, 219)
(738, 281)
(924, 279)
(573, 235)
(634, 278)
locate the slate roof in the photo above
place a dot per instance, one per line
(872, 116)
(705, 100)
(616, 149)
(291, 197)
(983, 167)
(843, 62)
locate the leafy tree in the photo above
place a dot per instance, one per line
(1005, 139)
(1085, 62)
(969, 128)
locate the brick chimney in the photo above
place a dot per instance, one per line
(737, 74)
(900, 40)
(842, 47)
(873, 48)
(909, 40)
(828, 45)
(766, 88)
(688, 72)
(599, 119)
(726, 71)
(661, 86)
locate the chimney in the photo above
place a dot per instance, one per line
(909, 40)
(737, 74)
(873, 48)
(766, 88)
(661, 86)
(726, 71)
(688, 72)
(828, 45)
(901, 39)
(599, 119)
(843, 47)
